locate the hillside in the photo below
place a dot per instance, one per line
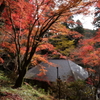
(26, 92)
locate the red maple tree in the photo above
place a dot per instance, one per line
(88, 53)
(26, 23)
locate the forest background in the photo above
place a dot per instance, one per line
(32, 31)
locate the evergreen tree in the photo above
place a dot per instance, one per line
(79, 27)
(97, 18)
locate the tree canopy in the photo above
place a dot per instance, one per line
(25, 22)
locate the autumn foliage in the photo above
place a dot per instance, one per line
(88, 54)
(24, 24)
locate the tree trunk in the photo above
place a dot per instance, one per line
(95, 98)
(2, 6)
(20, 78)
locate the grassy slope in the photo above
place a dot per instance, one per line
(26, 92)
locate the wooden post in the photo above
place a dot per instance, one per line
(58, 81)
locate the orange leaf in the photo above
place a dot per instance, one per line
(1, 60)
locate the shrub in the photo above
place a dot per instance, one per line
(77, 90)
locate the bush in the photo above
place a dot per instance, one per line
(77, 90)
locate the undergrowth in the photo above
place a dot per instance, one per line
(26, 92)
